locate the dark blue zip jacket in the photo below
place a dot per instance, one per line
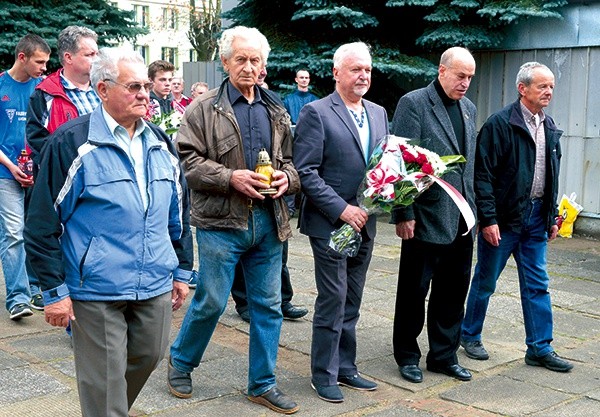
(504, 168)
(87, 234)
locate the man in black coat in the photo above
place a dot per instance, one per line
(434, 250)
(516, 184)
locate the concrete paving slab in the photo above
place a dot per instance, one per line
(44, 347)
(293, 331)
(505, 396)
(572, 324)
(592, 308)
(387, 282)
(580, 380)
(499, 356)
(396, 411)
(375, 342)
(579, 408)
(18, 384)
(8, 361)
(587, 353)
(155, 396)
(63, 404)
(26, 326)
(39, 357)
(506, 306)
(595, 395)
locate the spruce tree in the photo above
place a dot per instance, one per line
(47, 18)
(406, 36)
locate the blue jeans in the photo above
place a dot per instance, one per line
(529, 251)
(12, 245)
(259, 250)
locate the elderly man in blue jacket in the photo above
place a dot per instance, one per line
(108, 236)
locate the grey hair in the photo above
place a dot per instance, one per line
(348, 49)
(106, 66)
(69, 37)
(226, 41)
(198, 84)
(525, 74)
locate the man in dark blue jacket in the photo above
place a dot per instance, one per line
(516, 183)
(108, 236)
(335, 138)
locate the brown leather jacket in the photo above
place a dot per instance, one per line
(210, 146)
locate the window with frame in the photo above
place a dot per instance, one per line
(193, 55)
(170, 55)
(144, 52)
(142, 15)
(169, 18)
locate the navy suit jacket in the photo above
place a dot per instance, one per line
(329, 159)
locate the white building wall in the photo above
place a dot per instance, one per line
(159, 35)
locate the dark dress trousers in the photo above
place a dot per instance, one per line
(330, 161)
(438, 258)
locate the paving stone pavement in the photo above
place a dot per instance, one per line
(37, 375)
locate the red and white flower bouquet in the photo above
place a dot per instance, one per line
(398, 172)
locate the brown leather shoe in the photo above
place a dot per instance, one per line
(276, 400)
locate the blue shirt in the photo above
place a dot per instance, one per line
(14, 99)
(255, 125)
(295, 101)
(133, 147)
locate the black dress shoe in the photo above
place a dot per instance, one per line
(551, 361)
(453, 370)
(411, 373)
(291, 312)
(180, 383)
(276, 401)
(244, 315)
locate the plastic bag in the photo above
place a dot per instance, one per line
(568, 210)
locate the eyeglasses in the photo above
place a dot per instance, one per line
(134, 87)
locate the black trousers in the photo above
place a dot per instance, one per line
(446, 269)
(238, 290)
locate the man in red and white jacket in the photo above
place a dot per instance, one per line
(67, 93)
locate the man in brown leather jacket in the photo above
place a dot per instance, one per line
(220, 137)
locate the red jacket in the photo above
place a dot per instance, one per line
(61, 111)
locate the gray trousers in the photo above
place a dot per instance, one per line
(340, 284)
(117, 345)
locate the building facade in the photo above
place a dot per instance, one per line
(168, 24)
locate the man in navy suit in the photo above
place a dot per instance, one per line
(434, 251)
(334, 138)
